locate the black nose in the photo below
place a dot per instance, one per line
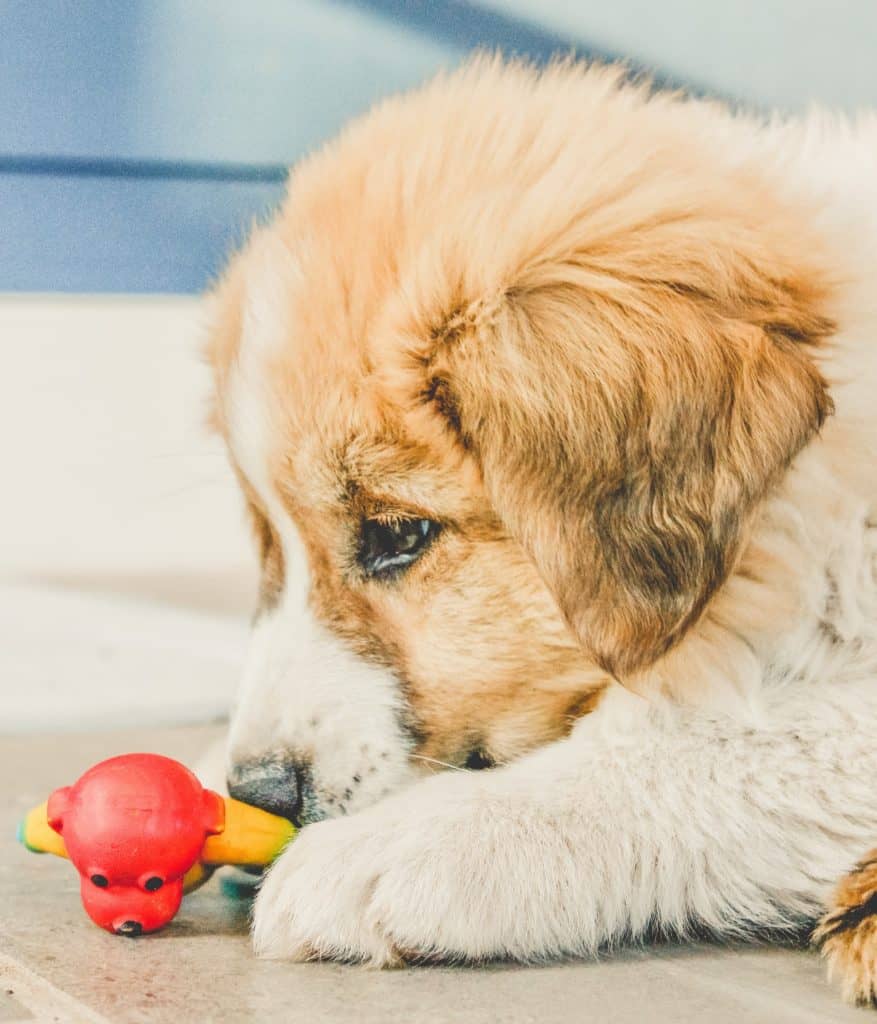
(276, 783)
(131, 929)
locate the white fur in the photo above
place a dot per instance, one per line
(643, 817)
(650, 813)
(303, 692)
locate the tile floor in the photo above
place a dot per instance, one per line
(56, 966)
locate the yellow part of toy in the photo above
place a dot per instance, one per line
(251, 837)
(196, 876)
(38, 835)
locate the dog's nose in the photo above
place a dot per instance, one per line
(275, 784)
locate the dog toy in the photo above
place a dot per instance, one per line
(141, 829)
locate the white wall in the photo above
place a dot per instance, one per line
(773, 53)
(126, 572)
(108, 466)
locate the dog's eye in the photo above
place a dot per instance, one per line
(389, 548)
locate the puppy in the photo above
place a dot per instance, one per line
(552, 401)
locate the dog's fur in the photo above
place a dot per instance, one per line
(622, 347)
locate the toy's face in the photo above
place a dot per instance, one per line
(131, 879)
(130, 909)
(130, 886)
(133, 826)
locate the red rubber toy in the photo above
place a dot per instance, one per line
(141, 829)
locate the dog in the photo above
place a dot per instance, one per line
(551, 398)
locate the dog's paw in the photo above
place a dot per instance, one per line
(442, 872)
(847, 934)
(316, 901)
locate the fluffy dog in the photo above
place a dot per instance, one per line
(553, 402)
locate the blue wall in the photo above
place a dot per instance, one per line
(140, 138)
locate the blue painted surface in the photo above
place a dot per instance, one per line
(195, 80)
(70, 234)
(138, 139)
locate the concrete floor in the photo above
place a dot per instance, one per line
(56, 966)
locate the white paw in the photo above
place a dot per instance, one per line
(445, 870)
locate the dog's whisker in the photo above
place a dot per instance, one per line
(433, 760)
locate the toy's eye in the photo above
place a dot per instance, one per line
(153, 883)
(100, 881)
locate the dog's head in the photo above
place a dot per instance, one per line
(503, 383)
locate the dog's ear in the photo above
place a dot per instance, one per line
(626, 425)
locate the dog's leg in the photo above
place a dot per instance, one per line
(643, 818)
(847, 934)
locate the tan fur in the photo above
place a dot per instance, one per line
(581, 343)
(443, 628)
(847, 934)
(688, 401)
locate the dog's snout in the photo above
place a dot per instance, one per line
(276, 784)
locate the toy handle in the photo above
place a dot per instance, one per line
(35, 832)
(251, 837)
